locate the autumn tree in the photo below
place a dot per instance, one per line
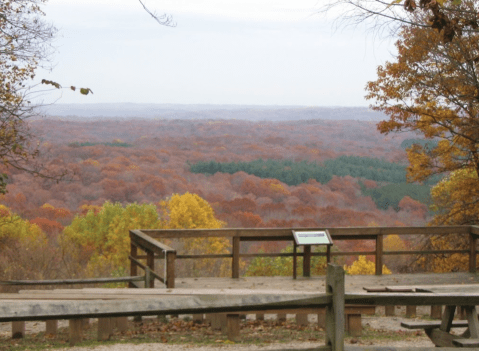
(432, 90)
(24, 43)
(190, 211)
(447, 17)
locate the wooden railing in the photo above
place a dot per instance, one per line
(152, 249)
(145, 239)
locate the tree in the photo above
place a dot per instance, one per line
(432, 89)
(448, 17)
(24, 43)
(190, 211)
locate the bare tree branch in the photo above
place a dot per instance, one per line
(164, 20)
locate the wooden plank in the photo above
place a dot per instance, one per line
(122, 324)
(335, 311)
(472, 253)
(353, 324)
(302, 319)
(72, 281)
(471, 314)
(236, 257)
(447, 318)
(307, 261)
(104, 329)
(233, 326)
(75, 331)
(474, 229)
(51, 327)
(410, 311)
(18, 330)
(379, 255)
(390, 310)
(432, 324)
(287, 232)
(145, 241)
(436, 312)
(417, 299)
(466, 342)
(43, 310)
(441, 338)
(170, 269)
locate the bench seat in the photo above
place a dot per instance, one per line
(466, 342)
(432, 324)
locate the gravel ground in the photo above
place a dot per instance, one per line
(377, 322)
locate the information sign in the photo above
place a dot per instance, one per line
(312, 237)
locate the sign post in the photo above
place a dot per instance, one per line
(306, 239)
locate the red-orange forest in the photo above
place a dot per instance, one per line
(148, 160)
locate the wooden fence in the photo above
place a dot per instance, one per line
(147, 241)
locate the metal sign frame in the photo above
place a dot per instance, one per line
(316, 237)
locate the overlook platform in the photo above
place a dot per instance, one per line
(353, 283)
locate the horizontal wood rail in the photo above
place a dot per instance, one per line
(153, 249)
(145, 240)
(74, 281)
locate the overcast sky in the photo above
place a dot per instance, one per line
(255, 52)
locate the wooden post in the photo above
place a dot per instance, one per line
(390, 310)
(322, 320)
(295, 256)
(379, 254)
(147, 277)
(76, 331)
(335, 311)
(51, 327)
(133, 266)
(302, 319)
(307, 261)
(260, 316)
(436, 312)
(410, 311)
(122, 324)
(328, 253)
(281, 317)
(170, 269)
(18, 330)
(104, 329)
(233, 326)
(353, 324)
(472, 253)
(150, 262)
(198, 318)
(236, 257)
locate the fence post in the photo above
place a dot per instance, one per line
(335, 311)
(170, 269)
(379, 254)
(307, 261)
(147, 277)
(236, 257)
(472, 253)
(150, 263)
(133, 266)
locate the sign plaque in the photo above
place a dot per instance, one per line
(321, 237)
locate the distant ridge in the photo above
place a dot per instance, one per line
(241, 112)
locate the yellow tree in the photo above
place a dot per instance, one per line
(190, 211)
(432, 88)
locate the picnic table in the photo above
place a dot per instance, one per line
(465, 297)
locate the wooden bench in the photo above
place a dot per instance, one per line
(466, 342)
(229, 322)
(432, 324)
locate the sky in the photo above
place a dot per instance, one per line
(253, 52)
